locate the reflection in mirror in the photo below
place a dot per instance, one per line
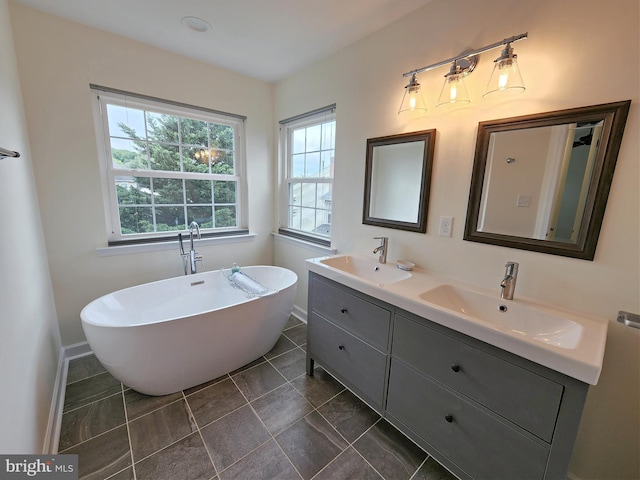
(541, 182)
(549, 181)
(397, 177)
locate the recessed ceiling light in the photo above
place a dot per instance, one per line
(196, 24)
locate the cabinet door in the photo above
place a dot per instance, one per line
(525, 398)
(358, 364)
(479, 443)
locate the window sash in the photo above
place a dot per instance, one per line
(110, 173)
(318, 117)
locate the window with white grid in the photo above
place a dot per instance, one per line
(308, 155)
(165, 165)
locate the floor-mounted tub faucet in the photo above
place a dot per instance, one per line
(192, 258)
(508, 284)
(382, 249)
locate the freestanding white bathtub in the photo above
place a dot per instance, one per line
(165, 336)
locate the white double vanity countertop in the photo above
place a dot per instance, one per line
(569, 342)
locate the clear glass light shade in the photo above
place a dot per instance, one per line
(505, 77)
(412, 100)
(454, 91)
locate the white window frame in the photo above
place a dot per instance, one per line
(104, 96)
(315, 117)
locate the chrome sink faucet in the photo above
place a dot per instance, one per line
(192, 258)
(508, 284)
(382, 249)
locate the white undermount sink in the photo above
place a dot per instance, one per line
(507, 315)
(367, 269)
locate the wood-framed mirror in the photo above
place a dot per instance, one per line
(397, 179)
(541, 182)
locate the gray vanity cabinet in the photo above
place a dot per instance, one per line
(479, 443)
(480, 411)
(348, 333)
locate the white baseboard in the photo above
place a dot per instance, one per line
(55, 411)
(299, 314)
(67, 353)
(77, 350)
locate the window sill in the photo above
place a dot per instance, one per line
(171, 245)
(304, 244)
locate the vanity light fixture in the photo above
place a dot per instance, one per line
(412, 99)
(506, 76)
(454, 89)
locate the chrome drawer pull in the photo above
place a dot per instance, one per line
(449, 418)
(455, 367)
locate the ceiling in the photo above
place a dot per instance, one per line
(264, 39)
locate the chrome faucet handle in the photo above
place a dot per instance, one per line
(382, 248)
(385, 241)
(508, 284)
(511, 268)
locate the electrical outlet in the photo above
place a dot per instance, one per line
(446, 225)
(523, 200)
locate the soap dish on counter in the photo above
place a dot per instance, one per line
(405, 265)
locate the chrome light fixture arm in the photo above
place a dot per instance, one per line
(469, 54)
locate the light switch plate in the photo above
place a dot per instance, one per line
(523, 200)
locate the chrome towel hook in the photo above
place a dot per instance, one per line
(4, 153)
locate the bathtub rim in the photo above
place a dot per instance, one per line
(290, 284)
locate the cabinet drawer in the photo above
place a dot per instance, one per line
(519, 395)
(364, 319)
(482, 445)
(360, 365)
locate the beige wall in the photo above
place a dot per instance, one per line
(57, 60)
(579, 52)
(29, 336)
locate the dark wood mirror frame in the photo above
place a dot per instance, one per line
(429, 139)
(614, 116)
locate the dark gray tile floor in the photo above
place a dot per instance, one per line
(268, 420)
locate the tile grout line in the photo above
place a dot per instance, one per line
(126, 421)
(86, 378)
(272, 437)
(90, 403)
(181, 438)
(106, 431)
(315, 409)
(350, 444)
(412, 477)
(151, 411)
(199, 430)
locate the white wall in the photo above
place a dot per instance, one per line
(57, 60)
(579, 53)
(29, 336)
